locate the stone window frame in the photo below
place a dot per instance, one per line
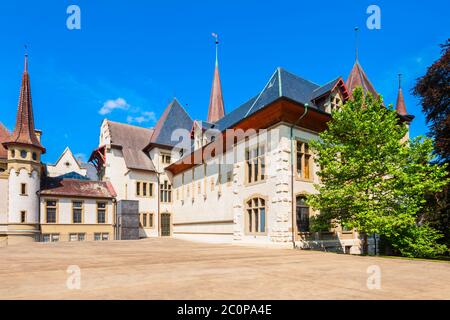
(82, 211)
(23, 189)
(165, 188)
(105, 209)
(149, 220)
(258, 207)
(56, 207)
(260, 159)
(139, 190)
(304, 154)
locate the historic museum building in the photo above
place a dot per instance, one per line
(238, 177)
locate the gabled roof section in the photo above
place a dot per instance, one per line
(358, 78)
(24, 132)
(69, 153)
(281, 84)
(174, 117)
(132, 140)
(4, 136)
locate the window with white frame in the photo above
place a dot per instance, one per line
(101, 212)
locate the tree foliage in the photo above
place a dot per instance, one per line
(433, 90)
(374, 180)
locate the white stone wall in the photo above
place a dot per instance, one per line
(64, 210)
(28, 203)
(3, 204)
(124, 182)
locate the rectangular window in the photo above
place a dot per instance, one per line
(303, 160)
(138, 189)
(150, 220)
(54, 237)
(23, 216)
(165, 158)
(101, 212)
(23, 189)
(98, 236)
(50, 211)
(77, 211)
(166, 192)
(144, 189)
(144, 220)
(255, 164)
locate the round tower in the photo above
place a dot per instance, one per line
(24, 168)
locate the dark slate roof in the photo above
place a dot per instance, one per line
(77, 188)
(324, 89)
(281, 84)
(132, 140)
(73, 175)
(174, 117)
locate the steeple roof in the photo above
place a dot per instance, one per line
(358, 78)
(401, 106)
(216, 109)
(24, 132)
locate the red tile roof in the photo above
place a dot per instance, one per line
(401, 106)
(24, 132)
(358, 78)
(4, 136)
(77, 188)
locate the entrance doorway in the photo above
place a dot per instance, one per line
(165, 224)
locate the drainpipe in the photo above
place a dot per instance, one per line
(293, 218)
(159, 206)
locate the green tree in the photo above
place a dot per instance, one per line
(433, 91)
(374, 180)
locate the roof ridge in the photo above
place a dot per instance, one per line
(297, 76)
(130, 125)
(336, 79)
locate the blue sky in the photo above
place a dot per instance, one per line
(140, 54)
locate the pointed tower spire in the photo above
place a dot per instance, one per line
(356, 43)
(216, 109)
(24, 132)
(400, 106)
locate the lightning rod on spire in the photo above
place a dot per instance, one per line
(356, 42)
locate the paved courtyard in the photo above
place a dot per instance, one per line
(176, 269)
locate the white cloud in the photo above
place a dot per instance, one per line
(111, 105)
(145, 116)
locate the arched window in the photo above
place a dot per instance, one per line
(302, 214)
(255, 216)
